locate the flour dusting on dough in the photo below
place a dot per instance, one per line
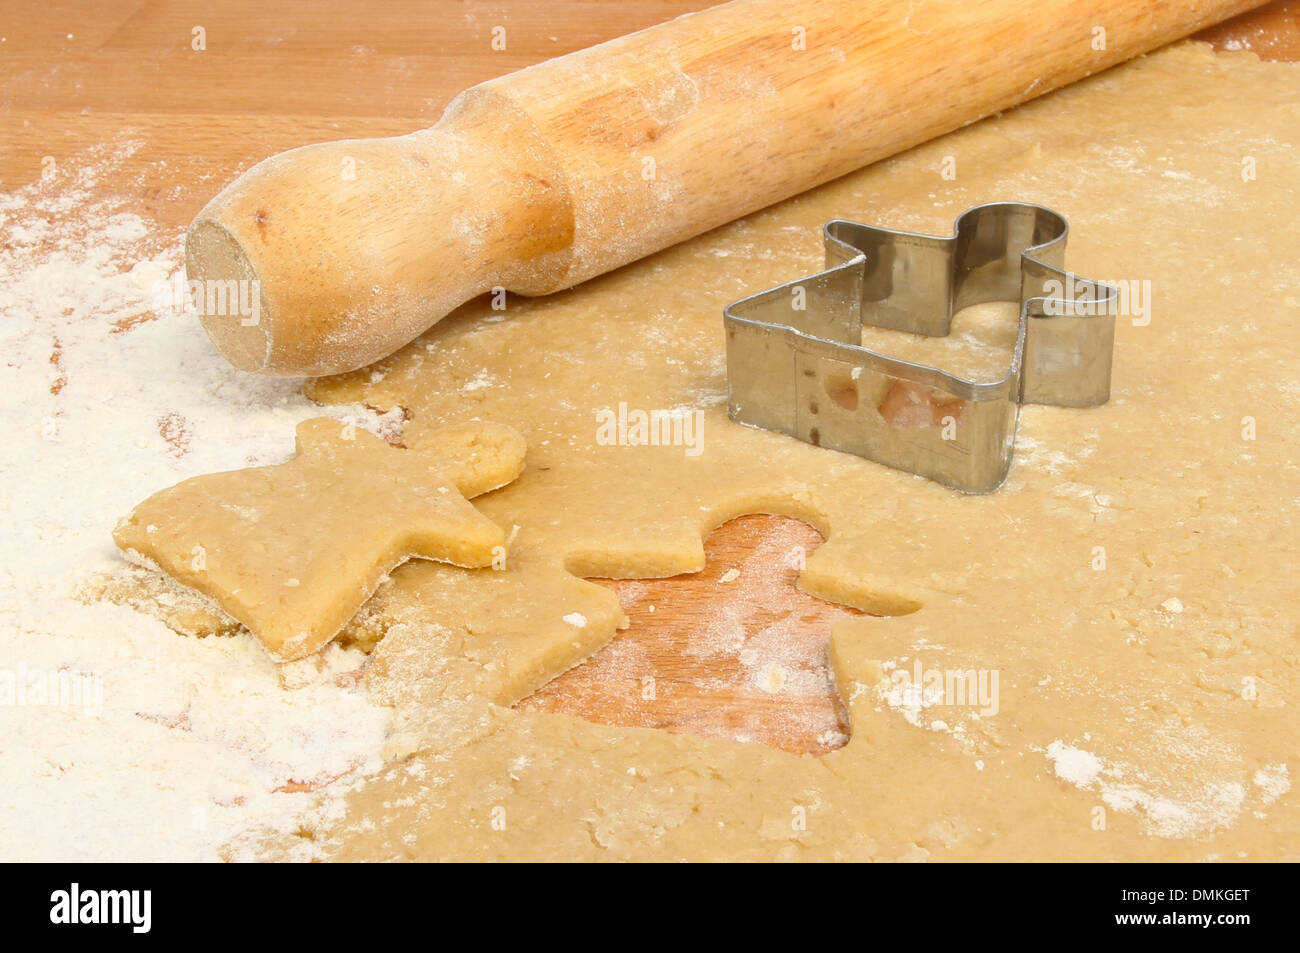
(1170, 806)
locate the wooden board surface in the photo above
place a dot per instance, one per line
(735, 651)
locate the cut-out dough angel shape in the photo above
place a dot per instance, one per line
(293, 550)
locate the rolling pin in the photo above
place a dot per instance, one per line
(543, 178)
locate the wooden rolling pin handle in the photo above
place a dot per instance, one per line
(543, 178)
(355, 247)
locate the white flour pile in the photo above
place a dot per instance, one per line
(120, 740)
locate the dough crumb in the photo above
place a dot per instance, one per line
(576, 619)
(771, 677)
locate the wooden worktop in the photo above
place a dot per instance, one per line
(274, 75)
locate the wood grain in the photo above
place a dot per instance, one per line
(733, 651)
(76, 76)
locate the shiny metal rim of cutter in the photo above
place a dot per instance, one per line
(796, 365)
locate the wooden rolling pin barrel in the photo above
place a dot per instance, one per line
(543, 178)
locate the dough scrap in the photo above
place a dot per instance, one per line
(1132, 582)
(441, 640)
(146, 589)
(293, 550)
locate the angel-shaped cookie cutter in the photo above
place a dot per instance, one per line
(796, 365)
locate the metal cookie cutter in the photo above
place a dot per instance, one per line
(796, 365)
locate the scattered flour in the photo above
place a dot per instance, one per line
(1273, 780)
(176, 744)
(1075, 765)
(1186, 807)
(479, 381)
